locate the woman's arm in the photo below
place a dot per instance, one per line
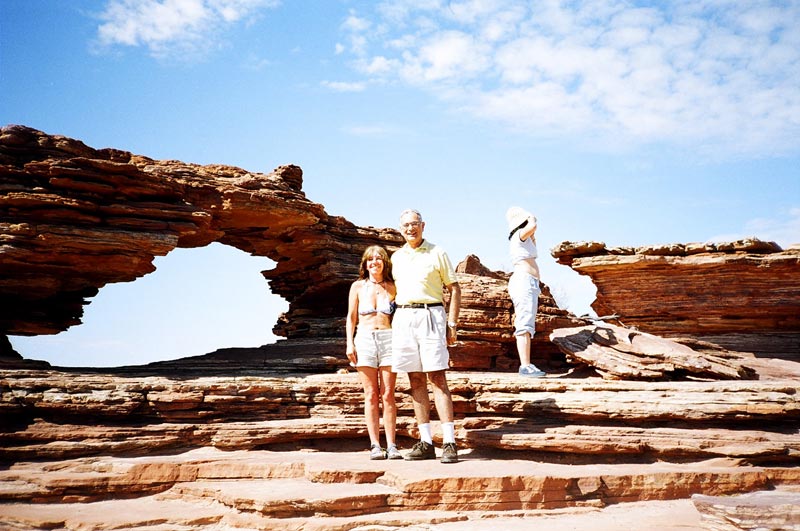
(352, 320)
(528, 230)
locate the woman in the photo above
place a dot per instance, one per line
(523, 286)
(369, 345)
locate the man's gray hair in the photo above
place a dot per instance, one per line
(411, 211)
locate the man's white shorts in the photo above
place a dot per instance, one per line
(419, 340)
(373, 348)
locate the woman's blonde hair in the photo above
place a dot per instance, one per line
(387, 264)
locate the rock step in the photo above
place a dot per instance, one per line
(287, 498)
(754, 510)
(481, 481)
(774, 443)
(72, 397)
(526, 434)
(154, 513)
(140, 514)
(315, 490)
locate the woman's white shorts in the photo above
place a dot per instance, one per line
(373, 348)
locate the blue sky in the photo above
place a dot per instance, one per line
(631, 123)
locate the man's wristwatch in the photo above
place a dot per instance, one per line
(451, 324)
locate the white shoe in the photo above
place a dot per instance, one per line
(532, 371)
(393, 453)
(376, 452)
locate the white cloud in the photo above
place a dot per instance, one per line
(784, 229)
(448, 55)
(344, 86)
(356, 24)
(720, 77)
(171, 27)
(377, 66)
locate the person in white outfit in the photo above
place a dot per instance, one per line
(523, 286)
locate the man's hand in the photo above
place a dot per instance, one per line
(452, 334)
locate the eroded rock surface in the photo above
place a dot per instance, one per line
(273, 437)
(56, 414)
(157, 446)
(754, 510)
(623, 353)
(743, 295)
(74, 218)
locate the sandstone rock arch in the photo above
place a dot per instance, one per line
(74, 218)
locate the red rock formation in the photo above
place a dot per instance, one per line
(754, 510)
(622, 353)
(742, 295)
(64, 414)
(73, 219)
(248, 439)
(486, 322)
(271, 449)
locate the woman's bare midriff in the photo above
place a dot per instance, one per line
(379, 321)
(527, 266)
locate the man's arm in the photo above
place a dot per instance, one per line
(453, 311)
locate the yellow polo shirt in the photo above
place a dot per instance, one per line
(420, 274)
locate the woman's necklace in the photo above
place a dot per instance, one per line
(377, 290)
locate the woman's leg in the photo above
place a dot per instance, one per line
(369, 379)
(524, 348)
(388, 380)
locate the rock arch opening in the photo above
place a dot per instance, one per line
(196, 301)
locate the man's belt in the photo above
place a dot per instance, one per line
(420, 305)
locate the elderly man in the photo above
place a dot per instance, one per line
(422, 331)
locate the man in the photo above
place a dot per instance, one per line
(421, 332)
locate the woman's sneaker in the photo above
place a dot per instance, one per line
(421, 451)
(376, 452)
(393, 453)
(531, 370)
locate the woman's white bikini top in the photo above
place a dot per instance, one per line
(384, 305)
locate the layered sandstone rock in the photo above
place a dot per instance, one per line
(322, 491)
(54, 414)
(74, 218)
(273, 437)
(158, 446)
(742, 295)
(486, 322)
(617, 352)
(754, 510)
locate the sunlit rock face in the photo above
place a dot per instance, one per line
(743, 295)
(274, 437)
(74, 218)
